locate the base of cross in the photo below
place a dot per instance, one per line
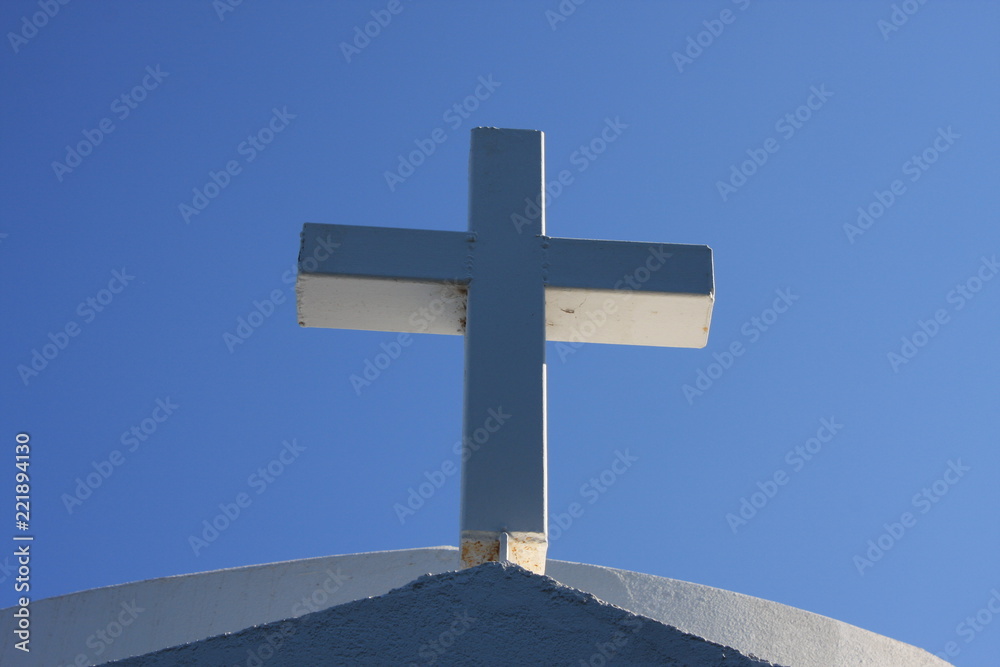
(525, 549)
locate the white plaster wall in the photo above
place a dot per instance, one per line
(67, 630)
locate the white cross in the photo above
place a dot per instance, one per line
(508, 288)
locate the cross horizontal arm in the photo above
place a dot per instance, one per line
(628, 293)
(383, 279)
(596, 264)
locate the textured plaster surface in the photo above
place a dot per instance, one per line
(177, 610)
(492, 614)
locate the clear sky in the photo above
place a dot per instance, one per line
(839, 157)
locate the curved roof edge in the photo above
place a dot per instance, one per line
(103, 624)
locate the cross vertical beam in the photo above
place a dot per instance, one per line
(504, 467)
(507, 287)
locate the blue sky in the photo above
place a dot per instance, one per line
(840, 159)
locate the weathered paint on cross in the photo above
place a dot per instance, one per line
(508, 288)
